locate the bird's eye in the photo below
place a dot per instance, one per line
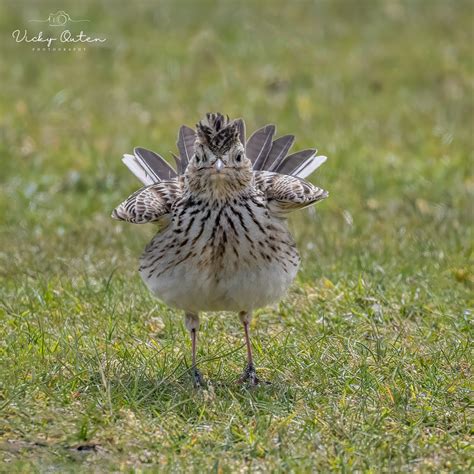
(238, 158)
(197, 159)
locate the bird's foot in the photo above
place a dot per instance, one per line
(198, 379)
(250, 376)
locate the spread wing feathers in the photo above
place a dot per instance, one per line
(179, 163)
(309, 166)
(241, 126)
(155, 164)
(292, 163)
(280, 148)
(185, 144)
(148, 166)
(149, 204)
(259, 146)
(266, 154)
(136, 167)
(287, 193)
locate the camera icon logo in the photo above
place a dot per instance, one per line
(60, 18)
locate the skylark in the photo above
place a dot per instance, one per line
(223, 243)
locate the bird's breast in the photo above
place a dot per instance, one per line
(219, 252)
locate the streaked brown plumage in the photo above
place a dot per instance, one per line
(223, 242)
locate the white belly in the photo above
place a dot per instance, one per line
(189, 288)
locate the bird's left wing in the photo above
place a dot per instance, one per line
(149, 204)
(286, 193)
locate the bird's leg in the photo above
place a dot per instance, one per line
(192, 325)
(249, 374)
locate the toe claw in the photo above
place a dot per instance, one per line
(250, 376)
(198, 380)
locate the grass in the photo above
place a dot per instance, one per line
(369, 354)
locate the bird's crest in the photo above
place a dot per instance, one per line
(217, 132)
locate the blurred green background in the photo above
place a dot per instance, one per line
(383, 88)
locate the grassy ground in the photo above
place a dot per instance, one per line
(369, 354)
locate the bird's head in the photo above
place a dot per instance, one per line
(219, 165)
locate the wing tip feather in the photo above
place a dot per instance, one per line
(116, 215)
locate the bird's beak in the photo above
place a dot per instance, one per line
(219, 165)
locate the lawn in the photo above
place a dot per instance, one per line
(369, 353)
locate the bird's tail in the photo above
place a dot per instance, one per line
(265, 153)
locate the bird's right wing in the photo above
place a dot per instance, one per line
(149, 204)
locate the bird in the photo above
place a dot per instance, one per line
(223, 242)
